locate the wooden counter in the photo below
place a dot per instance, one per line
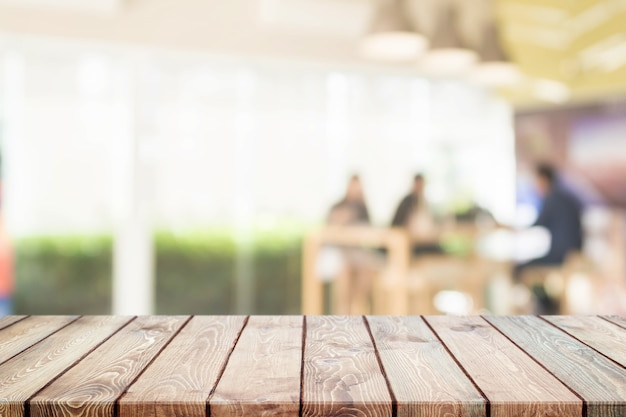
(433, 366)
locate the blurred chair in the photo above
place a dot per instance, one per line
(557, 280)
(446, 282)
(447, 274)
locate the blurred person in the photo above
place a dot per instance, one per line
(6, 272)
(357, 266)
(409, 203)
(561, 216)
(414, 214)
(351, 209)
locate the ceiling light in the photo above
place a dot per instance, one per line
(550, 90)
(391, 37)
(495, 68)
(449, 55)
(497, 74)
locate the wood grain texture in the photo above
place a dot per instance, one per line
(432, 366)
(179, 381)
(423, 376)
(620, 321)
(514, 384)
(262, 377)
(599, 381)
(91, 388)
(595, 332)
(27, 332)
(341, 373)
(25, 374)
(9, 320)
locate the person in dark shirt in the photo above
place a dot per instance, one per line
(409, 204)
(407, 215)
(560, 215)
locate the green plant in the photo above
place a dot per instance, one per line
(63, 275)
(194, 273)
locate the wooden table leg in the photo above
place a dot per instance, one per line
(399, 262)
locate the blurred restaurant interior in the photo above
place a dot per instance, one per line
(312, 156)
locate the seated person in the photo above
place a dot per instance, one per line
(359, 265)
(561, 215)
(413, 214)
(351, 209)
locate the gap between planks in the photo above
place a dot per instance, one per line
(223, 368)
(469, 377)
(394, 400)
(21, 320)
(598, 351)
(116, 407)
(77, 361)
(580, 397)
(303, 351)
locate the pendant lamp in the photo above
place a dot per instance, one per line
(449, 54)
(391, 37)
(495, 68)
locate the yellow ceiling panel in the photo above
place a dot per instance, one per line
(579, 6)
(605, 81)
(580, 43)
(538, 62)
(615, 24)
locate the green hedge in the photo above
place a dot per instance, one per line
(195, 274)
(63, 275)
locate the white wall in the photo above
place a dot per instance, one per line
(223, 142)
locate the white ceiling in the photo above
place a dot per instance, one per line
(321, 30)
(314, 29)
(543, 35)
(90, 6)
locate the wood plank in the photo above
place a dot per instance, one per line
(179, 381)
(601, 335)
(262, 377)
(514, 384)
(620, 321)
(423, 376)
(91, 388)
(6, 321)
(27, 332)
(341, 373)
(25, 374)
(599, 381)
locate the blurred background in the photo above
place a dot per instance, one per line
(194, 156)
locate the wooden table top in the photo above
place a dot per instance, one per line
(434, 366)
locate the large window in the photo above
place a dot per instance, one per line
(95, 135)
